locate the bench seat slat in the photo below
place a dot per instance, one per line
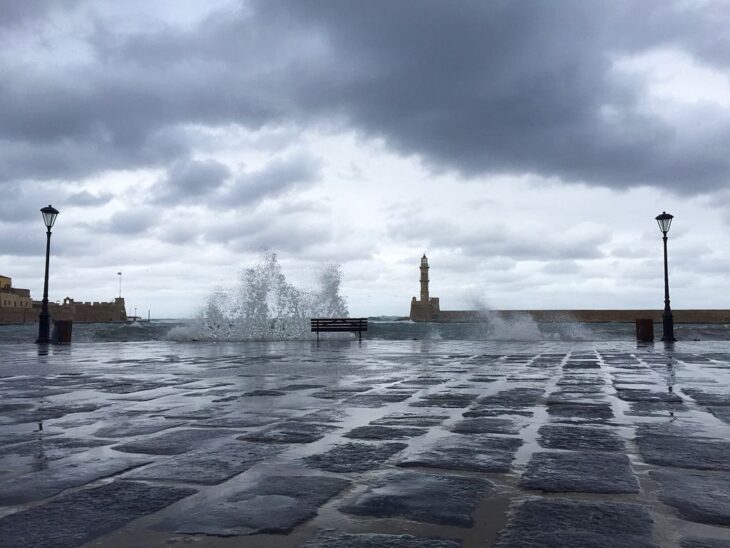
(334, 325)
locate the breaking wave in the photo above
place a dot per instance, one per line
(264, 306)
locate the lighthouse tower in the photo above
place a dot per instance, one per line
(424, 279)
(427, 308)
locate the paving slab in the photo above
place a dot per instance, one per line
(574, 438)
(483, 378)
(573, 472)
(684, 451)
(590, 381)
(377, 400)
(56, 447)
(423, 381)
(71, 472)
(411, 419)
(637, 394)
(572, 390)
(322, 415)
(27, 436)
(561, 523)
(704, 397)
(722, 413)
(208, 467)
(486, 426)
(580, 412)
(172, 443)
(444, 500)
(655, 408)
(477, 452)
(384, 433)
(290, 432)
(445, 399)
(354, 457)
(276, 504)
(194, 414)
(496, 412)
(582, 364)
(262, 393)
(71, 520)
(301, 386)
(377, 540)
(237, 421)
(340, 392)
(698, 496)
(48, 412)
(514, 398)
(698, 542)
(135, 428)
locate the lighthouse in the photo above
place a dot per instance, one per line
(426, 309)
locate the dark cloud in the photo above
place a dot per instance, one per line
(17, 240)
(188, 179)
(21, 202)
(131, 222)
(211, 182)
(512, 87)
(260, 231)
(482, 87)
(16, 14)
(274, 179)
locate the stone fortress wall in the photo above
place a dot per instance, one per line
(16, 306)
(427, 309)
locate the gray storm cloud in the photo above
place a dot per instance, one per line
(485, 87)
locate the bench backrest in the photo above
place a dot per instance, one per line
(339, 324)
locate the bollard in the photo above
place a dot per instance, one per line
(62, 330)
(645, 330)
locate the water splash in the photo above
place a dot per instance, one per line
(266, 307)
(496, 326)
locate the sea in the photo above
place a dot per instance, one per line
(379, 328)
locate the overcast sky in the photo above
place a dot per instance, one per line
(525, 146)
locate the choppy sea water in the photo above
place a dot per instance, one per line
(455, 431)
(389, 329)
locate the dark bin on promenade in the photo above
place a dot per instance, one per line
(62, 330)
(645, 330)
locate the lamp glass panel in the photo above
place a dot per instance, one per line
(665, 221)
(49, 216)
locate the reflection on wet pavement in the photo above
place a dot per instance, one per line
(389, 443)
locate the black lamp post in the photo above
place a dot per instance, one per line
(665, 221)
(44, 322)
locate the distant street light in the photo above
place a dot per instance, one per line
(665, 221)
(44, 323)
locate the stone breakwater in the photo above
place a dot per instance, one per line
(687, 316)
(435, 444)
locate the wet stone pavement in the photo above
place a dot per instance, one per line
(416, 444)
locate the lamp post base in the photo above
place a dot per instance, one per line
(668, 327)
(44, 328)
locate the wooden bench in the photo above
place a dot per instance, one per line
(339, 325)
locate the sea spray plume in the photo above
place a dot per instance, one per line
(495, 326)
(265, 307)
(269, 308)
(328, 303)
